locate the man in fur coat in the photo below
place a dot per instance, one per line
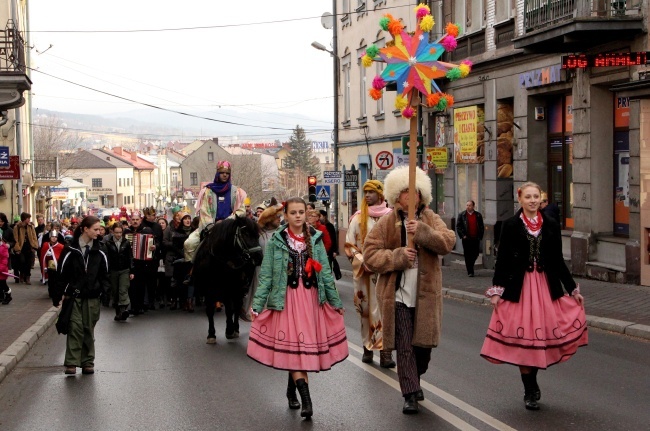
(409, 290)
(365, 296)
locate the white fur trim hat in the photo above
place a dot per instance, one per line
(398, 180)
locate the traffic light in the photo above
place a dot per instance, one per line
(311, 181)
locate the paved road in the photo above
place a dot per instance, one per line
(156, 372)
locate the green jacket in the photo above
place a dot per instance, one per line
(273, 279)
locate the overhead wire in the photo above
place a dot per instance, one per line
(207, 27)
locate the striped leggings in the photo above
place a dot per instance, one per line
(412, 361)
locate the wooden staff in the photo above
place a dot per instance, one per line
(413, 155)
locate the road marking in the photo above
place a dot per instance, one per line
(434, 408)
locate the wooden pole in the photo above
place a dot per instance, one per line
(413, 157)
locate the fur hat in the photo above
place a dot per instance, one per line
(398, 180)
(270, 213)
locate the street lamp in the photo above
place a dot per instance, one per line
(335, 145)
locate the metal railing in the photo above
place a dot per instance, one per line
(46, 169)
(544, 13)
(12, 49)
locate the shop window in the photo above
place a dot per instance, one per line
(622, 166)
(560, 157)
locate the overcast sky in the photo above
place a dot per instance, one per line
(247, 68)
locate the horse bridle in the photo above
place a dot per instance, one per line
(239, 243)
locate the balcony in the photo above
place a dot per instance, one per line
(13, 77)
(558, 26)
(46, 172)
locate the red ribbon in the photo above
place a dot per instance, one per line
(311, 263)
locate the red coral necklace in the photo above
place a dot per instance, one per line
(295, 237)
(532, 225)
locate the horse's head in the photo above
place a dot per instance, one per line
(247, 240)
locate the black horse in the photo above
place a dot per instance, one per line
(223, 269)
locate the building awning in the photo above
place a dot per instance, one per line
(46, 183)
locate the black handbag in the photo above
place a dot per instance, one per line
(63, 322)
(336, 269)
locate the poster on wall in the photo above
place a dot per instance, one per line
(469, 132)
(505, 117)
(436, 158)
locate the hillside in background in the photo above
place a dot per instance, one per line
(152, 124)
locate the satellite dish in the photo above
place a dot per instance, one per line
(327, 20)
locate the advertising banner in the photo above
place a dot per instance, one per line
(465, 135)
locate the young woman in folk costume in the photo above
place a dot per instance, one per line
(534, 324)
(373, 207)
(298, 315)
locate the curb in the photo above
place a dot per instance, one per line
(631, 329)
(17, 351)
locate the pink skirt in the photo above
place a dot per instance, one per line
(536, 331)
(305, 336)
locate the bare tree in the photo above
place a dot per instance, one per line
(53, 139)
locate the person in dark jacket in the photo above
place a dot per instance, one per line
(144, 271)
(26, 245)
(120, 265)
(535, 324)
(550, 210)
(82, 275)
(151, 284)
(176, 255)
(331, 230)
(470, 228)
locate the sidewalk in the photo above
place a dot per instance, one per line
(621, 308)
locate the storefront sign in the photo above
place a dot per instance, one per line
(622, 112)
(539, 77)
(332, 177)
(610, 59)
(436, 158)
(13, 171)
(4, 157)
(406, 145)
(59, 193)
(465, 138)
(351, 180)
(99, 191)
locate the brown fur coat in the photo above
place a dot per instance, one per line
(25, 233)
(383, 253)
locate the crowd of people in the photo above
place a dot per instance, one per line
(140, 261)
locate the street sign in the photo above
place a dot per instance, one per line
(323, 193)
(405, 145)
(332, 177)
(4, 157)
(351, 180)
(12, 172)
(384, 160)
(381, 174)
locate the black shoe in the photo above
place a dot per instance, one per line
(530, 402)
(367, 356)
(411, 406)
(291, 394)
(419, 395)
(303, 388)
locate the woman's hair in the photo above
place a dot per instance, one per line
(117, 226)
(162, 219)
(528, 184)
(195, 222)
(86, 222)
(3, 217)
(305, 227)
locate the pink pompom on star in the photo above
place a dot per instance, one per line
(467, 62)
(422, 12)
(378, 83)
(449, 43)
(408, 112)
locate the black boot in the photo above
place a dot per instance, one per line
(529, 392)
(538, 391)
(367, 356)
(411, 405)
(303, 389)
(386, 359)
(291, 394)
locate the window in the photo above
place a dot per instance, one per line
(96, 182)
(346, 88)
(502, 10)
(210, 156)
(194, 179)
(470, 15)
(120, 182)
(362, 83)
(79, 180)
(174, 177)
